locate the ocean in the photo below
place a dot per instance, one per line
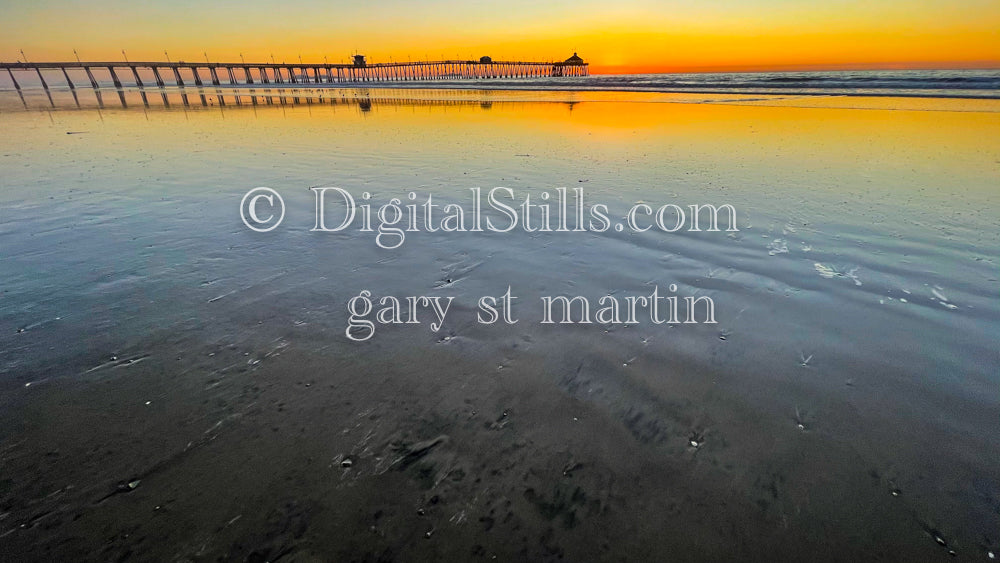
(175, 385)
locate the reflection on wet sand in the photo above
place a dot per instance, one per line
(362, 98)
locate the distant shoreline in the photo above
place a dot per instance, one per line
(515, 87)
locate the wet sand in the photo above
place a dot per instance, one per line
(176, 387)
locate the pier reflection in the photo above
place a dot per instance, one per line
(363, 99)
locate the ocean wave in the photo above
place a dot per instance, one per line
(936, 83)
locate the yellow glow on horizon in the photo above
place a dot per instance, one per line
(629, 36)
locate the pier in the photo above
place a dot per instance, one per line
(160, 75)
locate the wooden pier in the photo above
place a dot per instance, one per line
(160, 75)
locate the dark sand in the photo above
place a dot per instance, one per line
(449, 460)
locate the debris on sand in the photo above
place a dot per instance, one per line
(414, 452)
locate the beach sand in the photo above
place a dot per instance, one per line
(177, 387)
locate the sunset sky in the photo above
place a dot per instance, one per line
(618, 36)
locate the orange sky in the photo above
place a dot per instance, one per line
(622, 36)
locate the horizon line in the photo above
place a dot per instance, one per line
(792, 67)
